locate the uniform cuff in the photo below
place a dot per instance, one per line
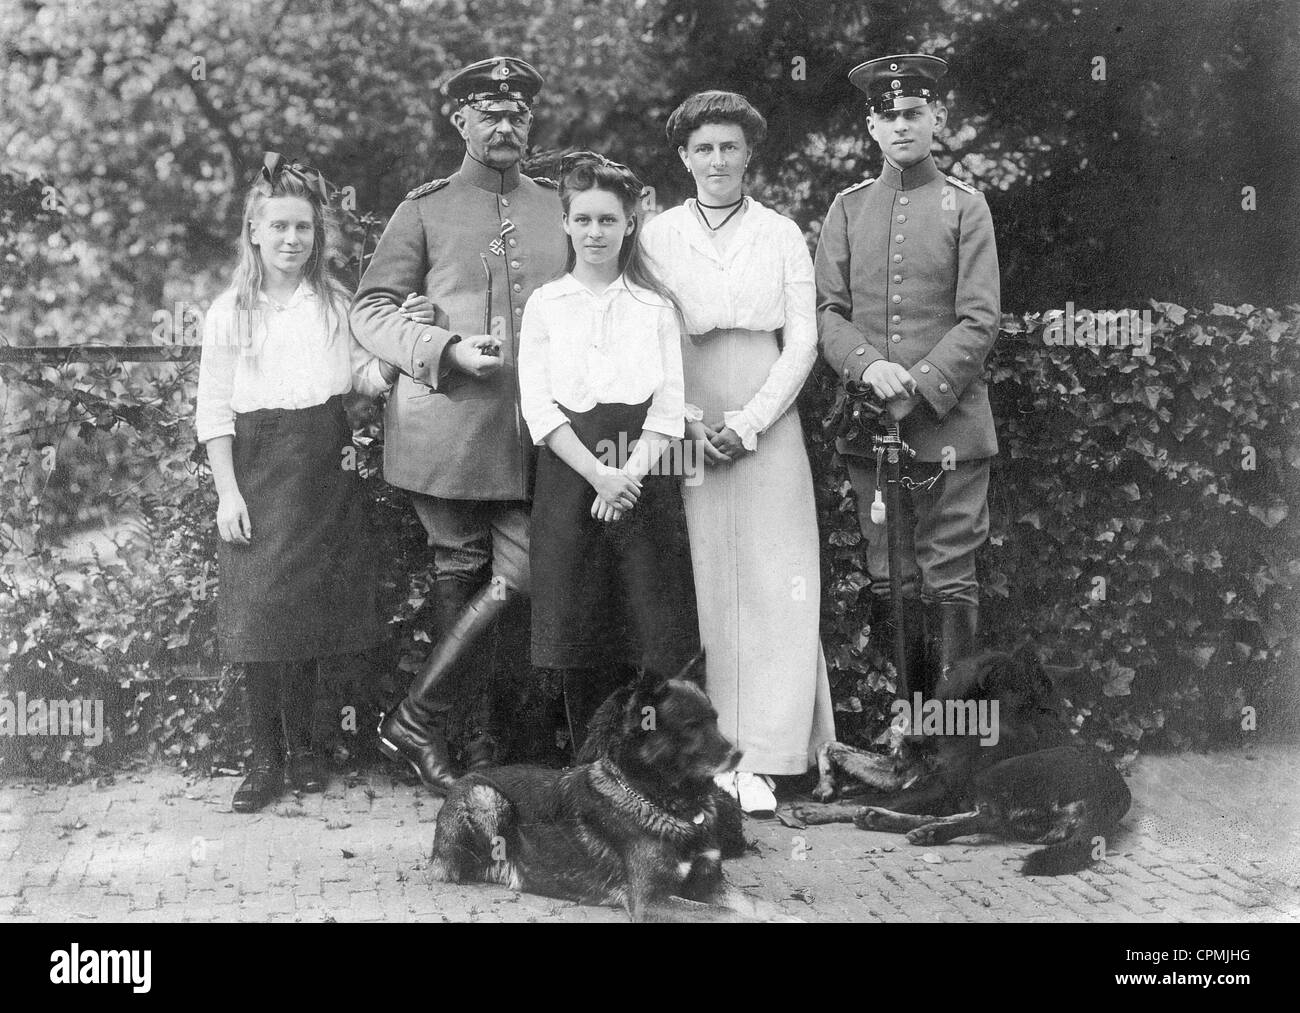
(936, 388)
(856, 362)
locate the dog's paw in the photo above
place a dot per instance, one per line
(867, 818)
(921, 835)
(824, 792)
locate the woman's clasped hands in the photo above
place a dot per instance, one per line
(719, 446)
(616, 493)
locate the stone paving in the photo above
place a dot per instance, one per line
(1210, 837)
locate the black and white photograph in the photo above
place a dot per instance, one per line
(591, 461)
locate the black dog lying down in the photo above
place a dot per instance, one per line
(1037, 784)
(637, 827)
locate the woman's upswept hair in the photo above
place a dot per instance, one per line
(331, 297)
(706, 107)
(586, 170)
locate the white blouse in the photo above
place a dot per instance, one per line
(762, 281)
(287, 364)
(579, 349)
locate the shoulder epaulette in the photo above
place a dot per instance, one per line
(856, 186)
(961, 184)
(432, 186)
(550, 184)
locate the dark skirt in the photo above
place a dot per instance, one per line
(610, 593)
(305, 585)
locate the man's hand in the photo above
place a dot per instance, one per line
(902, 407)
(478, 356)
(889, 380)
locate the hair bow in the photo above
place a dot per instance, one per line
(275, 165)
(631, 182)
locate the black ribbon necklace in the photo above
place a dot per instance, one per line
(700, 206)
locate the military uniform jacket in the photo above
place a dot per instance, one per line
(465, 438)
(907, 270)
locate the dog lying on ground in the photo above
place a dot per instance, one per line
(637, 827)
(1037, 784)
(607, 730)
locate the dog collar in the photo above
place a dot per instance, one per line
(617, 776)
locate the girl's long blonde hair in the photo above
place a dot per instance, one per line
(332, 298)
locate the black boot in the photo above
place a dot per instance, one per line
(492, 743)
(415, 732)
(952, 631)
(306, 770)
(265, 780)
(881, 619)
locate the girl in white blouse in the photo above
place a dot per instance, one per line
(744, 280)
(600, 382)
(296, 577)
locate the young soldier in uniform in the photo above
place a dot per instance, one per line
(477, 244)
(908, 302)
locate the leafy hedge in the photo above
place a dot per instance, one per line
(1140, 529)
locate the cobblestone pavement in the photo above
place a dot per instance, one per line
(1210, 837)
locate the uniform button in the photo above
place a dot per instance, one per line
(925, 368)
(519, 311)
(858, 351)
(901, 219)
(514, 264)
(898, 238)
(505, 202)
(897, 318)
(943, 387)
(428, 337)
(517, 287)
(896, 338)
(898, 258)
(514, 242)
(897, 298)
(903, 200)
(898, 277)
(419, 364)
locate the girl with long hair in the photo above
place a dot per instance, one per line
(296, 576)
(600, 376)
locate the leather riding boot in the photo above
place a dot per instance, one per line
(415, 732)
(491, 744)
(881, 619)
(265, 779)
(958, 629)
(306, 769)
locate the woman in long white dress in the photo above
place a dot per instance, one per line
(744, 278)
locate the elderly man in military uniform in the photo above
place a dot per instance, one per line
(476, 244)
(908, 303)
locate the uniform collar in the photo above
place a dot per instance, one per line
(487, 178)
(924, 171)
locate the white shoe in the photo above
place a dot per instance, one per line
(727, 782)
(755, 792)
